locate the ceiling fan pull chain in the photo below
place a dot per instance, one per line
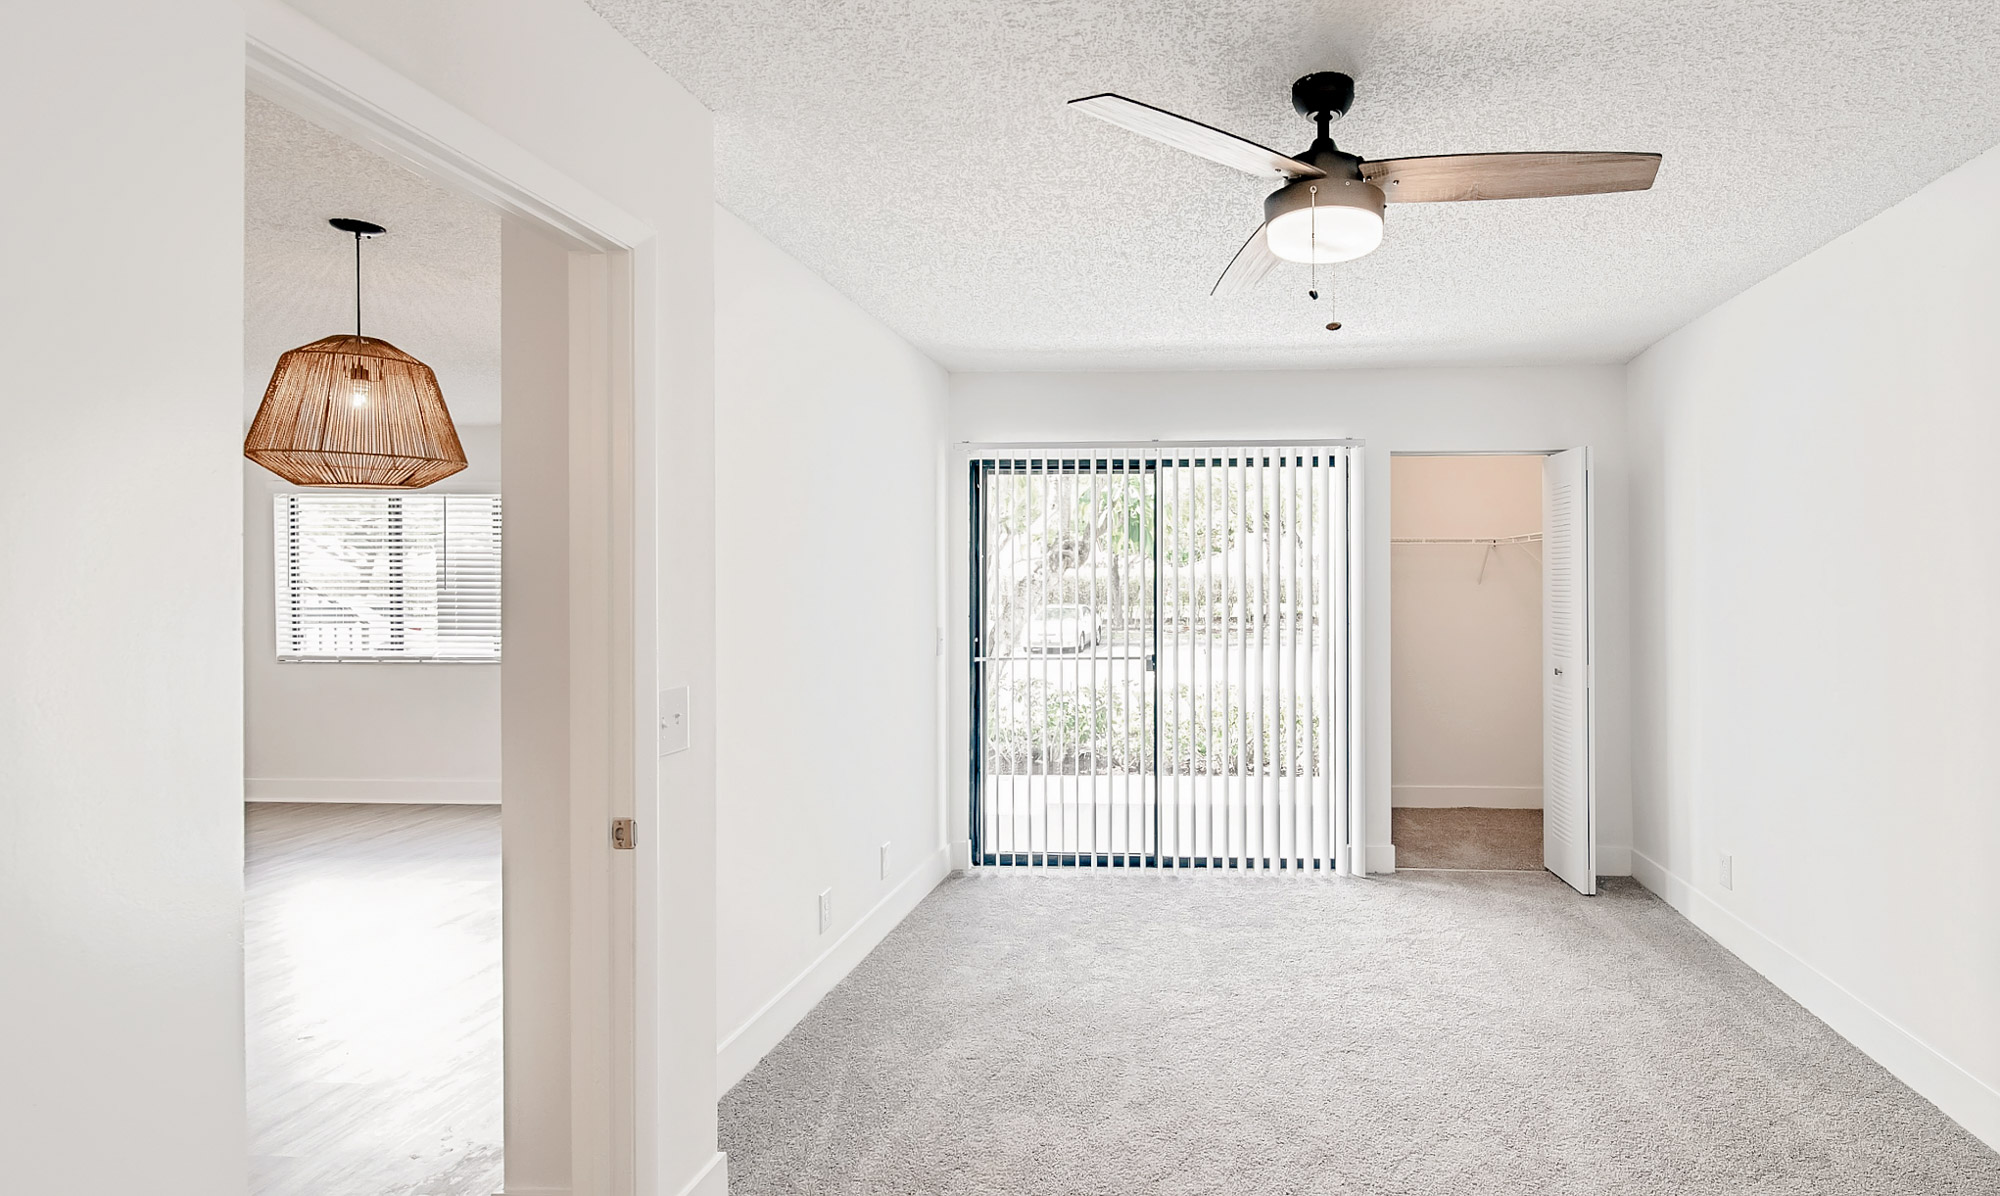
(1312, 259)
(1312, 241)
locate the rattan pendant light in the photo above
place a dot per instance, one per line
(354, 411)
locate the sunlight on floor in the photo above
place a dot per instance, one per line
(372, 987)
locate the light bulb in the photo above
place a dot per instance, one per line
(359, 385)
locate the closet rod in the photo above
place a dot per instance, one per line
(1530, 538)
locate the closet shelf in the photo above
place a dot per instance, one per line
(1530, 538)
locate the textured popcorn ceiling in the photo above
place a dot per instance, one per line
(917, 154)
(431, 286)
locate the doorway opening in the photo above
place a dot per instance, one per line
(569, 934)
(1489, 617)
(373, 966)
(1161, 669)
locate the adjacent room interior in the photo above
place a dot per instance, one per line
(1071, 623)
(372, 701)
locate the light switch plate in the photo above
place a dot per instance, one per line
(674, 720)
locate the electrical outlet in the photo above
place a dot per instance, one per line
(825, 909)
(1726, 873)
(885, 861)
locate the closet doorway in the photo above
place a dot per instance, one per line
(1489, 664)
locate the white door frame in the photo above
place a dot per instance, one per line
(613, 963)
(1590, 604)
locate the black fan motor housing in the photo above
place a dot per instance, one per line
(1323, 93)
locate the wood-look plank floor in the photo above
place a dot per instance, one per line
(372, 992)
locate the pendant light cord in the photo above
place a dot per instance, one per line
(357, 287)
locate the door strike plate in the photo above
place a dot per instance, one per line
(624, 834)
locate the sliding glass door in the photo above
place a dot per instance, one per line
(1065, 661)
(1161, 674)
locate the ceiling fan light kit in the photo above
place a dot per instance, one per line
(354, 411)
(1322, 221)
(1330, 206)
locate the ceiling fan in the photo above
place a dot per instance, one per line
(1330, 207)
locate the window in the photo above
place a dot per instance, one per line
(371, 576)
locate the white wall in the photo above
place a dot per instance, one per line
(362, 731)
(1466, 632)
(1816, 582)
(1522, 409)
(120, 777)
(829, 434)
(121, 590)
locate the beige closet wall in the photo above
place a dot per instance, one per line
(1465, 647)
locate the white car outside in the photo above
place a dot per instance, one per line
(1062, 628)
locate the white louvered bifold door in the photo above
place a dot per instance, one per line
(1567, 801)
(1162, 669)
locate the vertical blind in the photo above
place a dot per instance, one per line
(374, 576)
(1162, 664)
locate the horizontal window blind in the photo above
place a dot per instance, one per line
(373, 576)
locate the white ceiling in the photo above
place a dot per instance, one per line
(917, 155)
(431, 286)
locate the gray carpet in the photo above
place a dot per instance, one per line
(1464, 837)
(1431, 1033)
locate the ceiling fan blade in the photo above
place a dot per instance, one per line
(1452, 177)
(1194, 137)
(1248, 267)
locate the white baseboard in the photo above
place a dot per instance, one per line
(1959, 1094)
(1381, 857)
(743, 1047)
(711, 1180)
(961, 855)
(1485, 797)
(1663, 884)
(410, 791)
(1614, 861)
